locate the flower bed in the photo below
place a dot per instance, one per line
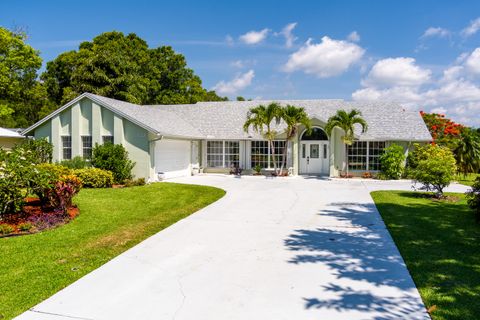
(35, 218)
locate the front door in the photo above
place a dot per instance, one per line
(314, 157)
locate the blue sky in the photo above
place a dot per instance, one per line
(422, 54)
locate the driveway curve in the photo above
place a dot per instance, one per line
(286, 248)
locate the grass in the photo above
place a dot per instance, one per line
(467, 180)
(34, 267)
(439, 242)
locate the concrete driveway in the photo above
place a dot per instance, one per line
(289, 248)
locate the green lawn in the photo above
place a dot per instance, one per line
(467, 180)
(440, 243)
(34, 267)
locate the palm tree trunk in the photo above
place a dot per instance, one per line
(346, 159)
(284, 158)
(272, 154)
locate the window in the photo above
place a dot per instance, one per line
(223, 154)
(375, 149)
(67, 147)
(232, 154)
(107, 139)
(315, 134)
(87, 147)
(314, 151)
(215, 153)
(261, 153)
(324, 151)
(364, 155)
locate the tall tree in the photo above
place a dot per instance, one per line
(261, 119)
(124, 67)
(21, 96)
(293, 117)
(467, 151)
(346, 121)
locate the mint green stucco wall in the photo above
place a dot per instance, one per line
(87, 118)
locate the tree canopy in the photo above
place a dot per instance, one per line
(21, 96)
(124, 67)
(112, 64)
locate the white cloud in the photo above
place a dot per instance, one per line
(454, 92)
(396, 72)
(459, 90)
(408, 96)
(473, 61)
(451, 73)
(287, 32)
(436, 32)
(472, 28)
(325, 59)
(254, 37)
(353, 36)
(235, 85)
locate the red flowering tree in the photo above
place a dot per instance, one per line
(443, 130)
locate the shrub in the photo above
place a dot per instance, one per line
(60, 195)
(257, 169)
(25, 226)
(435, 168)
(392, 162)
(15, 173)
(56, 170)
(114, 158)
(36, 151)
(473, 198)
(44, 179)
(94, 177)
(76, 163)
(6, 229)
(134, 183)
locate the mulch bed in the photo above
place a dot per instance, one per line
(36, 216)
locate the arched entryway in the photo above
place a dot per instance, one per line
(314, 152)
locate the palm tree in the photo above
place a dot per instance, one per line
(260, 118)
(467, 151)
(346, 121)
(293, 118)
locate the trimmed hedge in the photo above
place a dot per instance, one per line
(94, 177)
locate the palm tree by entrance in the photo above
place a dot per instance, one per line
(293, 118)
(346, 121)
(260, 119)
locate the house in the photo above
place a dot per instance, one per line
(9, 138)
(176, 140)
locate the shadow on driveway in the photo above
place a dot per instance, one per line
(365, 258)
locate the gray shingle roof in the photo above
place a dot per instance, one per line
(225, 119)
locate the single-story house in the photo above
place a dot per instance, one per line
(177, 140)
(9, 138)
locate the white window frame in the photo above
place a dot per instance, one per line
(268, 154)
(86, 157)
(66, 148)
(105, 137)
(367, 156)
(223, 153)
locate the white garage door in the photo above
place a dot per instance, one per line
(172, 157)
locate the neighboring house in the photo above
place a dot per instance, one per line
(176, 140)
(9, 138)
